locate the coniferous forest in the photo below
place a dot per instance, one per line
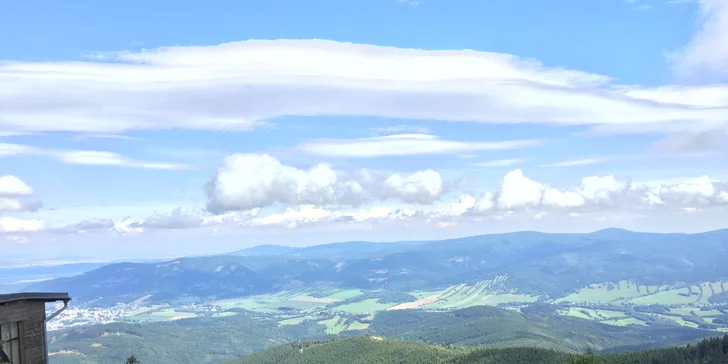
(369, 349)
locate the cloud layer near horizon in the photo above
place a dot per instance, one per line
(247, 183)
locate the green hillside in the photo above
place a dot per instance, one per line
(602, 267)
(490, 326)
(376, 350)
(211, 340)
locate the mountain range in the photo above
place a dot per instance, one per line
(546, 265)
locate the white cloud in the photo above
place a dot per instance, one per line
(86, 226)
(87, 157)
(106, 136)
(705, 58)
(499, 163)
(594, 198)
(97, 158)
(309, 214)
(404, 144)
(18, 239)
(602, 193)
(691, 143)
(127, 226)
(13, 194)
(409, 2)
(516, 190)
(13, 186)
(236, 86)
(399, 129)
(247, 181)
(14, 225)
(576, 162)
(177, 219)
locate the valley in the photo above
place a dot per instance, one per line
(557, 291)
(621, 303)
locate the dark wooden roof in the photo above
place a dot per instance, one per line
(34, 296)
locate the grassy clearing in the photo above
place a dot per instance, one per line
(365, 306)
(167, 314)
(270, 303)
(626, 292)
(577, 312)
(295, 320)
(224, 314)
(594, 314)
(507, 298)
(345, 294)
(144, 309)
(680, 296)
(624, 322)
(694, 311)
(679, 320)
(604, 293)
(467, 295)
(356, 325)
(334, 325)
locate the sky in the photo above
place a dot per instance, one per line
(143, 129)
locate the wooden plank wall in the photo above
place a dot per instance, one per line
(31, 315)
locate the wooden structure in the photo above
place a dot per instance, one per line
(22, 326)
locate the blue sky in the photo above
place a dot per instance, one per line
(534, 115)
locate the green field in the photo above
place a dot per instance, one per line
(624, 322)
(626, 292)
(295, 306)
(487, 292)
(370, 305)
(334, 325)
(295, 320)
(165, 314)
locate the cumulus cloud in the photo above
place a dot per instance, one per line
(13, 195)
(310, 214)
(87, 157)
(14, 225)
(248, 181)
(14, 186)
(405, 144)
(237, 86)
(177, 219)
(705, 58)
(593, 198)
(603, 193)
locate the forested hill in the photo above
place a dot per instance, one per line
(375, 350)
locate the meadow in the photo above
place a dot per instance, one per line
(347, 309)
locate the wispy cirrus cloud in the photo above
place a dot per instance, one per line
(406, 144)
(106, 136)
(500, 163)
(256, 81)
(705, 58)
(402, 129)
(85, 157)
(576, 162)
(409, 2)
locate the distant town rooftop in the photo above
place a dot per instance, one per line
(34, 296)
